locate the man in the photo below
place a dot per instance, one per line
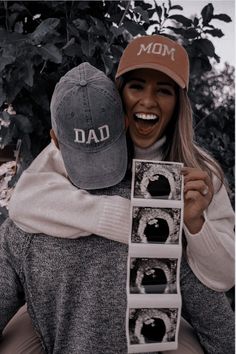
(65, 282)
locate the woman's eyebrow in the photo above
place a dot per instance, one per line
(135, 79)
(144, 81)
(166, 83)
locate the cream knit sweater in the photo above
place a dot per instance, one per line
(44, 201)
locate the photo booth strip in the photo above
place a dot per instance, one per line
(155, 248)
(156, 225)
(152, 327)
(153, 275)
(157, 181)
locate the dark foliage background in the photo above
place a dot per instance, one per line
(41, 40)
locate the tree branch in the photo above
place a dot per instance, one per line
(119, 24)
(204, 118)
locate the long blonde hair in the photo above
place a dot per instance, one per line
(182, 146)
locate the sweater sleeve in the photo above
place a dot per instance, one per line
(11, 291)
(210, 252)
(45, 201)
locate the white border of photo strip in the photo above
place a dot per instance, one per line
(165, 304)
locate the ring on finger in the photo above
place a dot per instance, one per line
(205, 191)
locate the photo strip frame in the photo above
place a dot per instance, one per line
(155, 248)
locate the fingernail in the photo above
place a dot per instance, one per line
(205, 191)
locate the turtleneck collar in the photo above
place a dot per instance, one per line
(153, 152)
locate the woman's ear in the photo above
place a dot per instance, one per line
(54, 138)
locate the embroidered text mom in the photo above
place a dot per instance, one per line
(157, 48)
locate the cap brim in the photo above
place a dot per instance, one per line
(154, 66)
(97, 170)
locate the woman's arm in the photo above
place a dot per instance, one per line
(45, 201)
(210, 251)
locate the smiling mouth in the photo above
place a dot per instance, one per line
(145, 122)
(150, 119)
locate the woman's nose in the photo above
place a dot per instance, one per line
(149, 99)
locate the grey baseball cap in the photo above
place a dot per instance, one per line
(88, 119)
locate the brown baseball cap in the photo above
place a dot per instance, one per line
(156, 52)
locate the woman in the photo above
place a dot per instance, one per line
(153, 79)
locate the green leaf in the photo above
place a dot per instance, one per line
(19, 27)
(93, 44)
(217, 58)
(108, 64)
(190, 33)
(196, 21)
(13, 38)
(158, 10)
(133, 27)
(73, 30)
(206, 47)
(47, 26)
(117, 50)
(215, 32)
(144, 5)
(17, 7)
(13, 89)
(39, 96)
(117, 31)
(68, 44)
(99, 26)
(176, 30)
(187, 22)
(2, 92)
(81, 24)
(151, 13)
(207, 14)
(72, 49)
(83, 5)
(206, 65)
(88, 46)
(6, 116)
(176, 7)
(50, 52)
(223, 17)
(165, 11)
(85, 47)
(29, 74)
(23, 123)
(144, 14)
(12, 19)
(6, 135)
(5, 60)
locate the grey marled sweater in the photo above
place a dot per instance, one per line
(75, 289)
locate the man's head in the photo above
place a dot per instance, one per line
(88, 121)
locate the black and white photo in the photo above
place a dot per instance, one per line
(156, 225)
(152, 325)
(157, 180)
(153, 276)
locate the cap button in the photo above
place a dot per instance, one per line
(82, 82)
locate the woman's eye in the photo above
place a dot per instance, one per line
(135, 86)
(165, 91)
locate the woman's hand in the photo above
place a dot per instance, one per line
(198, 192)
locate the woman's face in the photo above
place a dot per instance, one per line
(149, 98)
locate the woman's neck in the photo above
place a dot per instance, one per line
(153, 152)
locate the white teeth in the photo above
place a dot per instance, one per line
(146, 116)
